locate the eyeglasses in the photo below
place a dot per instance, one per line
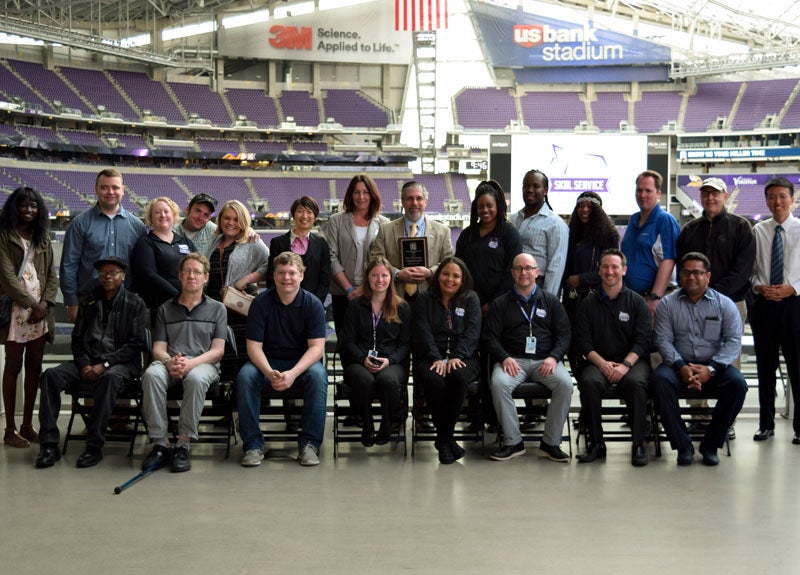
(110, 273)
(693, 273)
(710, 192)
(524, 268)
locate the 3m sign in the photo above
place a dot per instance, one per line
(291, 37)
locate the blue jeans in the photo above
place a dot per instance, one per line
(249, 383)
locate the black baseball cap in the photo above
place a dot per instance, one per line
(112, 260)
(204, 199)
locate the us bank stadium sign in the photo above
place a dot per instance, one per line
(514, 38)
(351, 34)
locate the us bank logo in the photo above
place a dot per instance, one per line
(566, 44)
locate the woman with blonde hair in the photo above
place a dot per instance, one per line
(235, 261)
(156, 255)
(376, 335)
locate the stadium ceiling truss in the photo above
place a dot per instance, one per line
(769, 31)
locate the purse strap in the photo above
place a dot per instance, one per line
(25, 259)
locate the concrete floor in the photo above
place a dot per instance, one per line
(377, 512)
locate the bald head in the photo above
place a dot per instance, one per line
(525, 270)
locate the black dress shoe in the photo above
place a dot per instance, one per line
(89, 458)
(638, 456)
(161, 455)
(457, 451)
(597, 451)
(180, 460)
(763, 434)
(446, 456)
(382, 437)
(552, 452)
(685, 455)
(796, 440)
(48, 455)
(367, 436)
(709, 454)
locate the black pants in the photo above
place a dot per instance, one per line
(776, 327)
(633, 389)
(62, 378)
(386, 385)
(445, 395)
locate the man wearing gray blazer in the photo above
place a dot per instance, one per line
(409, 280)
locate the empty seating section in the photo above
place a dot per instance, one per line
(223, 188)
(38, 133)
(264, 147)
(760, 99)
(552, 110)
(201, 100)
(95, 86)
(485, 108)
(222, 146)
(791, 119)
(300, 106)
(350, 108)
(711, 101)
(256, 105)
(50, 85)
(281, 192)
(81, 137)
(48, 186)
(311, 147)
(655, 109)
(437, 191)
(12, 86)
(609, 110)
(149, 186)
(461, 191)
(129, 142)
(148, 94)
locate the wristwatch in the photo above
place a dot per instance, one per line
(106, 364)
(654, 296)
(627, 364)
(711, 371)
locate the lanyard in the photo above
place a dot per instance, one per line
(449, 322)
(375, 320)
(529, 318)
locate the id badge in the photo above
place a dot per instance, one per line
(530, 344)
(372, 353)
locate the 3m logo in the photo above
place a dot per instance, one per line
(290, 37)
(528, 35)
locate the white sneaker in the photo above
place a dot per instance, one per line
(252, 458)
(307, 455)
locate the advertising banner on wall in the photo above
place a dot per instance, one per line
(514, 38)
(364, 34)
(745, 191)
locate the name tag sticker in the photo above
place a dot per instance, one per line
(541, 312)
(460, 311)
(624, 316)
(183, 248)
(493, 244)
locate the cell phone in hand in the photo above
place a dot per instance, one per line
(375, 361)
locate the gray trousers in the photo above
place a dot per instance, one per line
(155, 383)
(503, 385)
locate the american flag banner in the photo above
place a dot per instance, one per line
(420, 14)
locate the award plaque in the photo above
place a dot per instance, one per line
(413, 252)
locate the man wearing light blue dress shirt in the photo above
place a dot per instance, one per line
(698, 333)
(543, 233)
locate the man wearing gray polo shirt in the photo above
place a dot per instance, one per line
(188, 344)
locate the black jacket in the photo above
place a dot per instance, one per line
(130, 337)
(507, 329)
(317, 259)
(431, 332)
(393, 340)
(729, 243)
